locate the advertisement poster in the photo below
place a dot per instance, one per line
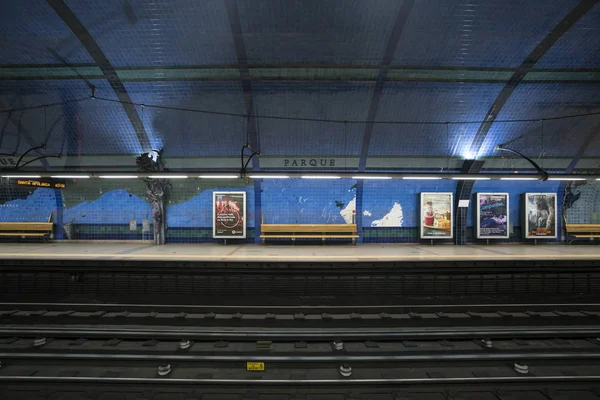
(540, 216)
(436, 216)
(229, 210)
(492, 216)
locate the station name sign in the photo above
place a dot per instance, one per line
(43, 183)
(309, 162)
(8, 162)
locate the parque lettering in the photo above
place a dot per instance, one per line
(309, 162)
(7, 161)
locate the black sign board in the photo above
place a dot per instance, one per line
(42, 183)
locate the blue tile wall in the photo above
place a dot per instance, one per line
(582, 201)
(514, 189)
(390, 209)
(308, 201)
(26, 205)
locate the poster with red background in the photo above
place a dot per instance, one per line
(229, 211)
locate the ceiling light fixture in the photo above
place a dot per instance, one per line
(566, 179)
(268, 176)
(418, 178)
(470, 178)
(69, 176)
(118, 177)
(167, 176)
(320, 177)
(372, 177)
(519, 179)
(22, 176)
(218, 176)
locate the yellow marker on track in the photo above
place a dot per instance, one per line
(255, 366)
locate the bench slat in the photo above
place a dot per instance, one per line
(586, 236)
(311, 228)
(21, 234)
(582, 227)
(309, 236)
(26, 226)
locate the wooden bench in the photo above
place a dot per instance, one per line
(309, 231)
(583, 231)
(27, 229)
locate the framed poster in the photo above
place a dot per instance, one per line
(540, 216)
(492, 212)
(436, 215)
(229, 211)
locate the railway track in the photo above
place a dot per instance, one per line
(409, 331)
(459, 369)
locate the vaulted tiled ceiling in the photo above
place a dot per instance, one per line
(326, 61)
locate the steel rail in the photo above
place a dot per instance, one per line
(312, 334)
(343, 358)
(275, 382)
(307, 307)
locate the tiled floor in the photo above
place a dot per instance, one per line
(360, 252)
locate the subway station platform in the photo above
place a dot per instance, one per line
(309, 253)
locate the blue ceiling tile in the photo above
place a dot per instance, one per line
(159, 33)
(497, 33)
(184, 133)
(433, 102)
(30, 32)
(329, 101)
(317, 32)
(86, 127)
(537, 101)
(579, 47)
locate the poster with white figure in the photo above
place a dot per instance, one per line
(540, 216)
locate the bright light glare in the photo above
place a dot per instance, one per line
(268, 176)
(470, 178)
(418, 178)
(167, 176)
(371, 177)
(218, 176)
(320, 177)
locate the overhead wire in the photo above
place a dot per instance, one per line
(305, 119)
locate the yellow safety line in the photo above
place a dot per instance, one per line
(167, 257)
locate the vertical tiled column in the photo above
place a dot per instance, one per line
(257, 210)
(463, 192)
(359, 209)
(58, 221)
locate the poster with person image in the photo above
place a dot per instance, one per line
(229, 209)
(492, 216)
(540, 216)
(436, 215)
